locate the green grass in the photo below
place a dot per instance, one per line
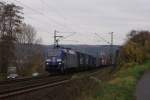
(123, 84)
(107, 85)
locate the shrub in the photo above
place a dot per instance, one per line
(137, 48)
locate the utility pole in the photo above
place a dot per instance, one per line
(56, 39)
(111, 38)
(102, 50)
(111, 49)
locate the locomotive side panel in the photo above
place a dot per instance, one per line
(70, 59)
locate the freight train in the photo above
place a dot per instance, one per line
(62, 60)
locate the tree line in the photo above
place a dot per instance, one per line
(15, 34)
(137, 48)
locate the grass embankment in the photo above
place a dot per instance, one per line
(122, 86)
(119, 85)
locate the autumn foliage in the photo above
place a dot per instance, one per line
(137, 48)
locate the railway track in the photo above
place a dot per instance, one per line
(23, 86)
(9, 81)
(12, 88)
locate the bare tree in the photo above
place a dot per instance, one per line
(28, 46)
(1, 16)
(28, 35)
(11, 19)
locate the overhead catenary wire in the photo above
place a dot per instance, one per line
(72, 41)
(56, 22)
(42, 14)
(56, 11)
(73, 33)
(42, 21)
(33, 11)
(29, 17)
(102, 38)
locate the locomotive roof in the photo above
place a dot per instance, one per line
(74, 51)
(55, 51)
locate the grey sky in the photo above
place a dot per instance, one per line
(86, 17)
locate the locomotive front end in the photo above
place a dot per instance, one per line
(54, 62)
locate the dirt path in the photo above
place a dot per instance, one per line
(143, 87)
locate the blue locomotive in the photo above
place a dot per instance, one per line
(62, 59)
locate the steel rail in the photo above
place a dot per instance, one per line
(26, 89)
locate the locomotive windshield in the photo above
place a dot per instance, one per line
(54, 53)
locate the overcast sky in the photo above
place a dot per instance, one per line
(86, 17)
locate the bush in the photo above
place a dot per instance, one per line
(137, 48)
(122, 86)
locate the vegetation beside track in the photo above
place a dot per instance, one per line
(122, 85)
(82, 86)
(105, 84)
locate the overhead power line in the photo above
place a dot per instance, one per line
(102, 38)
(56, 11)
(72, 41)
(69, 35)
(57, 37)
(41, 13)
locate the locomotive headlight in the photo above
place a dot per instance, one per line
(59, 63)
(47, 63)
